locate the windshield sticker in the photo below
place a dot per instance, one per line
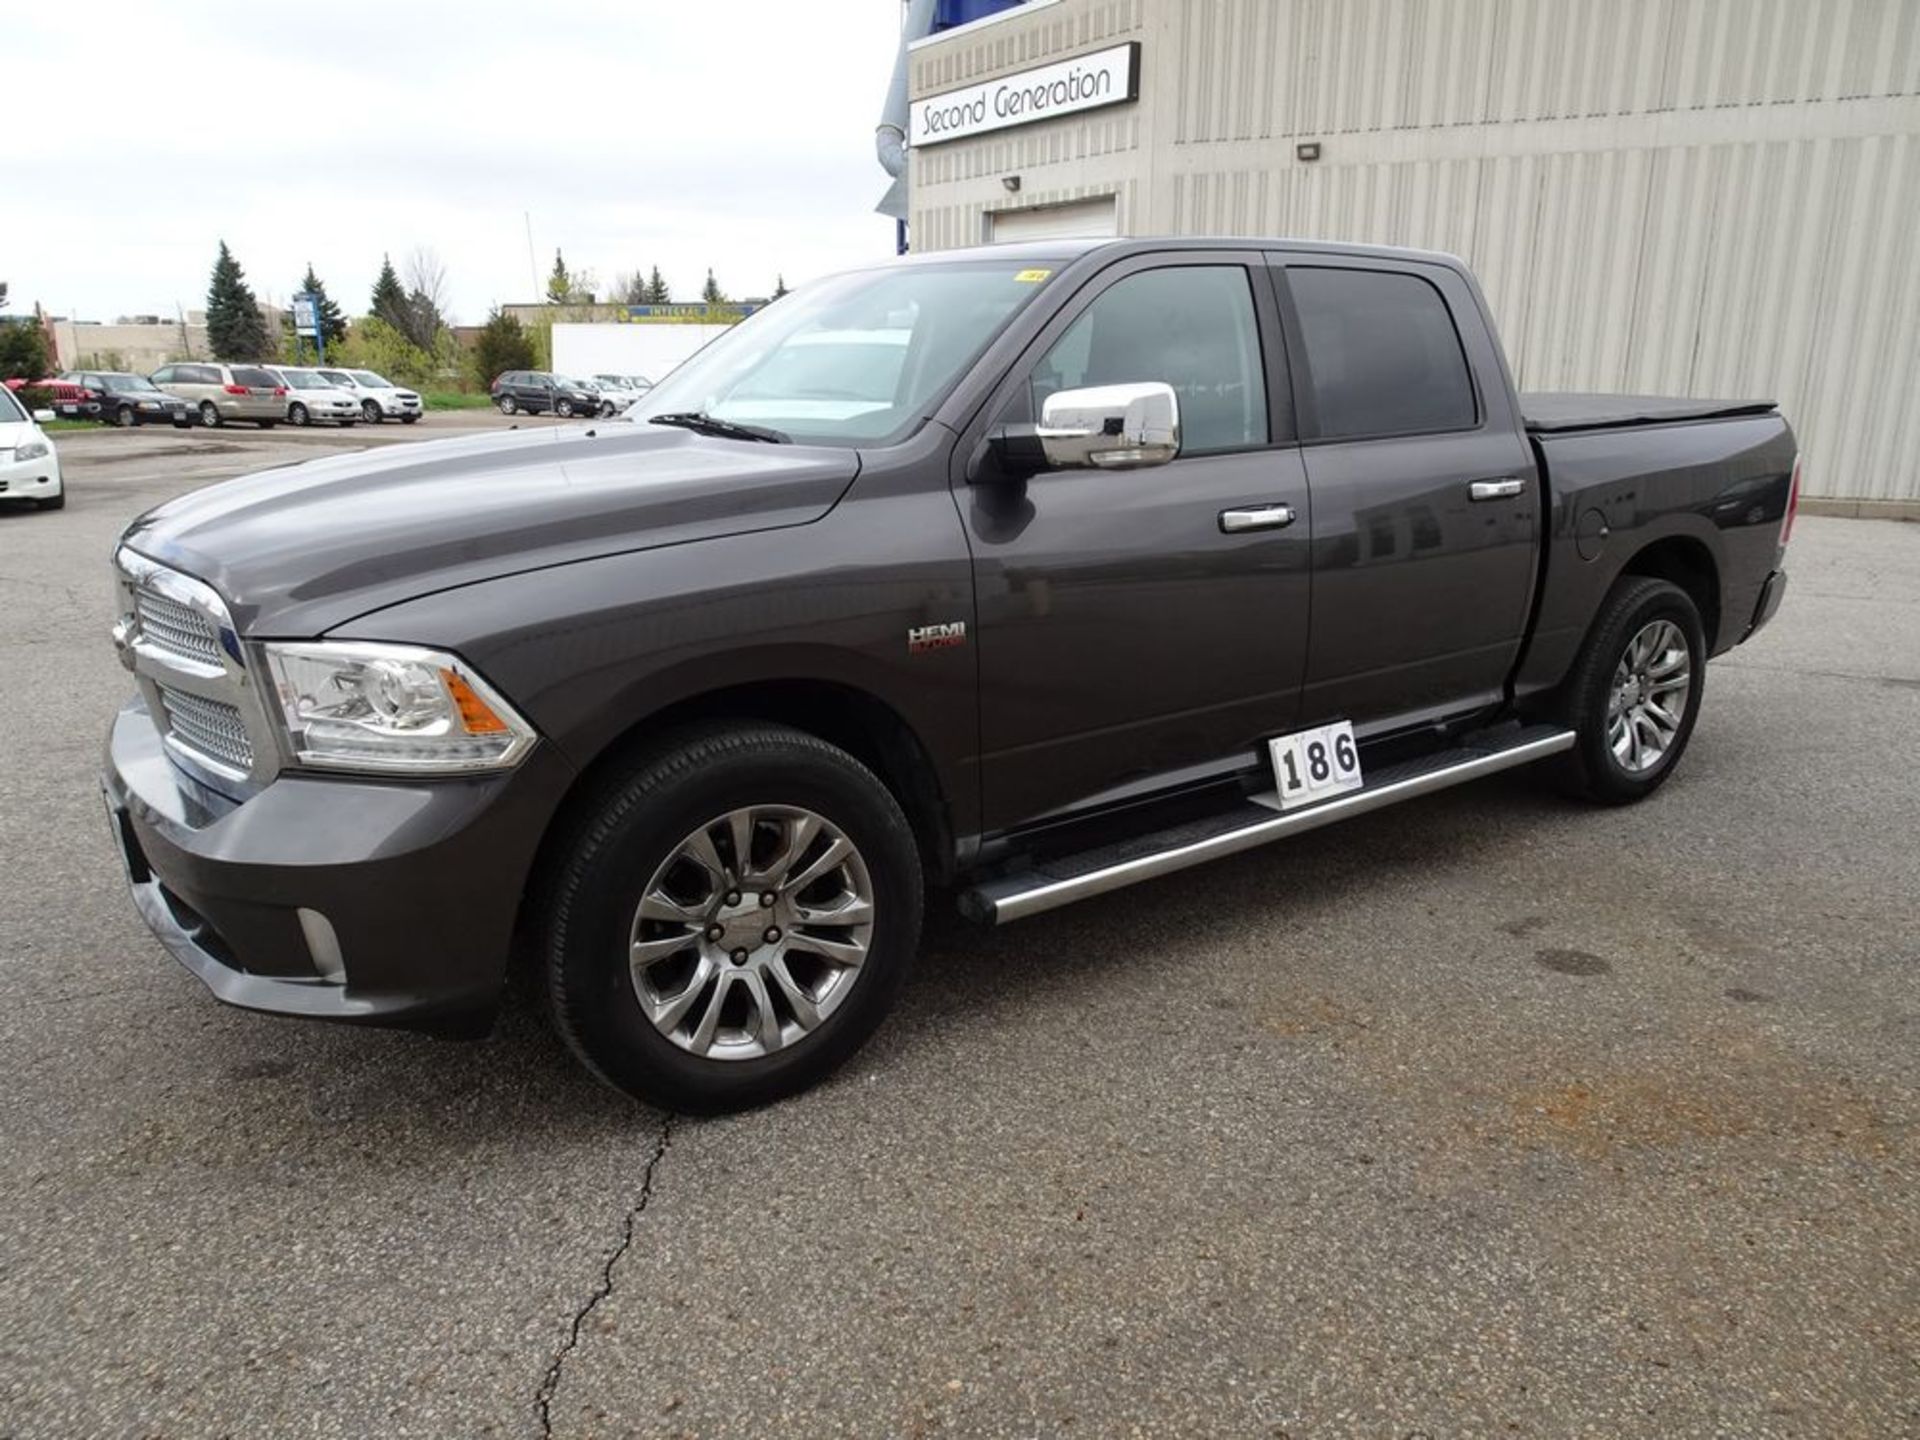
(1032, 277)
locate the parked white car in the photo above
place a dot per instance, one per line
(618, 391)
(29, 465)
(311, 397)
(380, 398)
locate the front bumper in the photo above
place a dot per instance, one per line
(339, 897)
(30, 479)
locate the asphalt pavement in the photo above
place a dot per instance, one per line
(1490, 1114)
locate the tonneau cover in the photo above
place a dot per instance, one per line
(1547, 411)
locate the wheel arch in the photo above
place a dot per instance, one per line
(843, 714)
(1686, 561)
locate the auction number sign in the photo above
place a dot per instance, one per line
(1066, 87)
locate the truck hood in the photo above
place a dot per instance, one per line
(300, 550)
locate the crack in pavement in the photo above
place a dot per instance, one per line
(543, 1397)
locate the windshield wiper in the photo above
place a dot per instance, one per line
(704, 424)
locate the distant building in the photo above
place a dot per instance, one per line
(138, 343)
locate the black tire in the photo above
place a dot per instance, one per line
(125, 418)
(508, 405)
(209, 415)
(564, 409)
(54, 502)
(626, 830)
(1591, 770)
(370, 411)
(297, 414)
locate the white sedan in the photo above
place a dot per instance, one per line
(29, 465)
(617, 392)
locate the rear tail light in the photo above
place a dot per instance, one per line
(1793, 503)
(279, 391)
(235, 389)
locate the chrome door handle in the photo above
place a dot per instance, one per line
(1256, 517)
(1504, 488)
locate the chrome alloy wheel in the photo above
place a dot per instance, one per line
(752, 932)
(1649, 696)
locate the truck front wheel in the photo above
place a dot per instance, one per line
(731, 918)
(1634, 692)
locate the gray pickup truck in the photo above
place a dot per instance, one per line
(1013, 576)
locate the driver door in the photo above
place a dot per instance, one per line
(1135, 629)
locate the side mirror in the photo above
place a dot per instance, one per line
(1111, 427)
(43, 417)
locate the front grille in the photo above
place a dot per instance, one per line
(211, 728)
(175, 628)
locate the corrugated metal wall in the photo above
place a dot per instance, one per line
(1705, 197)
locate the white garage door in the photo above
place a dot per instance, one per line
(1082, 219)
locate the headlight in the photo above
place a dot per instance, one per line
(348, 706)
(32, 450)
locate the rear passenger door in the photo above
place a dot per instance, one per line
(1426, 511)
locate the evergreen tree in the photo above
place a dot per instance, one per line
(235, 328)
(779, 286)
(333, 324)
(23, 351)
(657, 293)
(422, 322)
(711, 291)
(389, 300)
(503, 345)
(559, 283)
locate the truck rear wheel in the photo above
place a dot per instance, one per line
(731, 918)
(1634, 693)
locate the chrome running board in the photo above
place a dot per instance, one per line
(1076, 877)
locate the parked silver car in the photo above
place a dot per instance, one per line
(311, 397)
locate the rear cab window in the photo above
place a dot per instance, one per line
(1383, 353)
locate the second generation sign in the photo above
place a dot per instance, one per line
(1086, 82)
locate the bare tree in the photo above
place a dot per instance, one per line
(425, 313)
(426, 274)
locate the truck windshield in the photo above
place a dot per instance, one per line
(855, 359)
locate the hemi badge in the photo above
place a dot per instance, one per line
(922, 638)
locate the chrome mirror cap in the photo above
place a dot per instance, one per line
(1112, 427)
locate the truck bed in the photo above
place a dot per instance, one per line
(1548, 412)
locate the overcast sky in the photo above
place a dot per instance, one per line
(677, 133)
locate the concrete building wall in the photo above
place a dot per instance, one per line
(1698, 197)
(139, 348)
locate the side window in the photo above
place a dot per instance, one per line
(1383, 352)
(199, 375)
(1192, 326)
(162, 376)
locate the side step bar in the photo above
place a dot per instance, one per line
(1076, 877)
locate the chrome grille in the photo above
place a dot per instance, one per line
(178, 629)
(212, 729)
